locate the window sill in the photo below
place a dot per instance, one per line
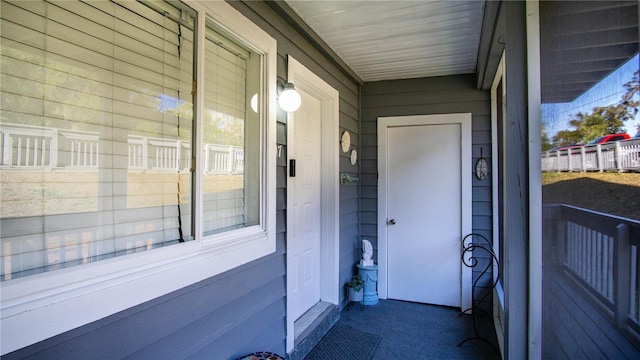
(37, 307)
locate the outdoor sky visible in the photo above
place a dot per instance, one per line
(609, 91)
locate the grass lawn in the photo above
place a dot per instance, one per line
(612, 193)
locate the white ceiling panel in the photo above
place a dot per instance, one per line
(382, 40)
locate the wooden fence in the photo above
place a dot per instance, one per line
(614, 156)
(597, 254)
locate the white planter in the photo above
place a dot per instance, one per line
(356, 295)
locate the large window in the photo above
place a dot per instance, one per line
(128, 127)
(97, 123)
(97, 132)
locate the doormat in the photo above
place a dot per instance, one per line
(345, 343)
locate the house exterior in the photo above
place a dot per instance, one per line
(227, 290)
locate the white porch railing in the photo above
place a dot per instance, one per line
(157, 154)
(26, 147)
(614, 156)
(35, 147)
(600, 252)
(221, 159)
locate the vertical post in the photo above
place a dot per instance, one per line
(561, 239)
(176, 164)
(145, 149)
(584, 159)
(599, 157)
(622, 273)
(7, 147)
(618, 156)
(53, 151)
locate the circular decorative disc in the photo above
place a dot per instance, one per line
(345, 140)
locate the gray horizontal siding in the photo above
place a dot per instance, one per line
(440, 95)
(244, 309)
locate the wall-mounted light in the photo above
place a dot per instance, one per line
(290, 99)
(254, 103)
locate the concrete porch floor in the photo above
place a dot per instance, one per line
(418, 331)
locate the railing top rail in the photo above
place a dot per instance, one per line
(601, 222)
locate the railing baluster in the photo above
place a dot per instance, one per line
(633, 306)
(43, 155)
(622, 277)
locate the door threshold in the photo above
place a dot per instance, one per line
(305, 321)
(312, 326)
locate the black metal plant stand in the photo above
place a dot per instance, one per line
(474, 245)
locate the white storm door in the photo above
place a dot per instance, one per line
(424, 202)
(304, 190)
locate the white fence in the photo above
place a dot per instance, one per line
(33, 147)
(26, 147)
(614, 156)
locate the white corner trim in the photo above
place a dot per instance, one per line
(40, 306)
(535, 182)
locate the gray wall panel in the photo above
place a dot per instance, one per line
(242, 310)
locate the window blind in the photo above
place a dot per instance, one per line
(225, 122)
(96, 128)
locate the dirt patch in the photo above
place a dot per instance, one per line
(611, 193)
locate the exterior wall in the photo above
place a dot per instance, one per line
(242, 310)
(439, 95)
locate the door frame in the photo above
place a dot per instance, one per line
(329, 97)
(384, 123)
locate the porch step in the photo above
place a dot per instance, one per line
(311, 327)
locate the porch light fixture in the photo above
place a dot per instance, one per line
(290, 99)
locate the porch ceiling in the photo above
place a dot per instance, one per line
(581, 41)
(383, 40)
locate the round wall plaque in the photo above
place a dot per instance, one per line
(345, 141)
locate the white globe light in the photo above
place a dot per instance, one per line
(254, 103)
(290, 99)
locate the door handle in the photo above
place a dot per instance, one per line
(391, 222)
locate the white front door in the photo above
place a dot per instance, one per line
(312, 234)
(305, 204)
(426, 209)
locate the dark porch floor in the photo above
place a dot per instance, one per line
(418, 331)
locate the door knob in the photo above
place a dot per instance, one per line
(391, 222)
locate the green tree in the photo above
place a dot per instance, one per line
(602, 120)
(566, 137)
(544, 137)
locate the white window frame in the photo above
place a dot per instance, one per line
(498, 291)
(40, 306)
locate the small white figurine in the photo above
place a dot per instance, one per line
(367, 253)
